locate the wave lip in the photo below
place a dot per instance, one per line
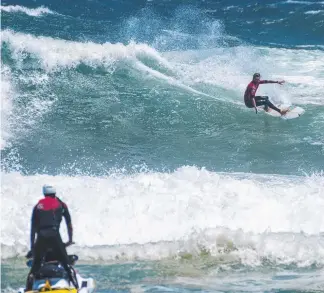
(57, 53)
(37, 12)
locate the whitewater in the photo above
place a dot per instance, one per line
(136, 116)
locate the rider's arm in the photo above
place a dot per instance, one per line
(67, 216)
(33, 228)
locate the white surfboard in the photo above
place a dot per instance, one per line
(293, 111)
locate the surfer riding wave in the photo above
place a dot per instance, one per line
(252, 101)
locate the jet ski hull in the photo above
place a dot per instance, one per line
(86, 285)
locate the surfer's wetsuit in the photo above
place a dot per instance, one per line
(259, 100)
(46, 219)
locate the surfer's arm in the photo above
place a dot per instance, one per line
(271, 81)
(254, 105)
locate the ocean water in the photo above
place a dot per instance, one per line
(134, 111)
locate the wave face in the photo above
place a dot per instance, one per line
(135, 113)
(92, 107)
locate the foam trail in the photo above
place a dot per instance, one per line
(39, 11)
(177, 83)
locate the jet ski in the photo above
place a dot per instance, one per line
(53, 277)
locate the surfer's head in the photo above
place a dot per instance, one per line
(256, 77)
(49, 190)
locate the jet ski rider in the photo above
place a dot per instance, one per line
(46, 219)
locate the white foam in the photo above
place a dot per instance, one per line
(297, 2)
(314, 11)
(312, 46)
(303, 2)
(17, 119)
(39, 11)
(188, 208)
(7, 92)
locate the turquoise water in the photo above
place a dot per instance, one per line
(134, 111)
(203, 275)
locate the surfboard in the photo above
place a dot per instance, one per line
(293, 111)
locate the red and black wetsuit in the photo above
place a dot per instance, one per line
(48, 213)
(46, 219)
(259, 100)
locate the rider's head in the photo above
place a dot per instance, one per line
(256, 77)
(49, 190)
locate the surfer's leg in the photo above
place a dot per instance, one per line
(266, 106)
(264, 101)
(272, 106)
(261, 101)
